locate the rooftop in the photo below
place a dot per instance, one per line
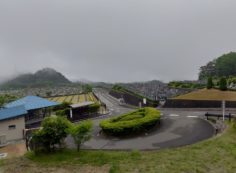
(81, 104)
(31, 103)
(7, 113)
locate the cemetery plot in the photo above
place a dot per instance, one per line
(74, 99)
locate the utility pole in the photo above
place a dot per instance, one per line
(223, 107)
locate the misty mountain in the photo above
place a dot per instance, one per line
(42, 78)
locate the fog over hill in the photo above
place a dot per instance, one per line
(42, 78)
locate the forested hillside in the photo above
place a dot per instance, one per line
(225, 65)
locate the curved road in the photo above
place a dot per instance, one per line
(178, 128)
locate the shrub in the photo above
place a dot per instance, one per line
(62, 106)
(136, 121)
(210, 84)
(87, 88)
(6, 98)
(63, 112)
(53, 132)
(223, 84)
(81, 132)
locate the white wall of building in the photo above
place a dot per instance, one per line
(12, 128)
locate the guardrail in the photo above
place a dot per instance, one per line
(229, 116)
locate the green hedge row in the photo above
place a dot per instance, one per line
(133, 122)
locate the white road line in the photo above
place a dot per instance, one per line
(192, 116)
(174, 115)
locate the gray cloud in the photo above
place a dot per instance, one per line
(115, 40)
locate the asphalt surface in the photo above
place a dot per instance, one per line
(177, 128)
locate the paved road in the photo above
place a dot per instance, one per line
(113, 106)
(178, 128)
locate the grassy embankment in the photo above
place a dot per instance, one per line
(216, 155)
(211, 94)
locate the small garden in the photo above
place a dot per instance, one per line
(134, 122)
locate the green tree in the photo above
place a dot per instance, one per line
(4, 99)
(87, 88)
(223, 84)
(63, 112)
(210, 83)
(81, 132)
(62, 106)
(232, 80)
(63, 109)
(225, 65)
(53, 132)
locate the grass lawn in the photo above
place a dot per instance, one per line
(1, 162)
(211, 94)
(216, 155)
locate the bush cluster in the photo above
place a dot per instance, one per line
(210, 83)
(52, 133)
(55, 129)
(223, 84)
(6, 98)
(133, 122)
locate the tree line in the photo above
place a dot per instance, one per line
(224, 66)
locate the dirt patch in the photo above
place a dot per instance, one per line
(14, 150)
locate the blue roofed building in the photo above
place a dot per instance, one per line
(12, 112)
(25, 113)
(12, 124)
(32, 103)
(37, 108)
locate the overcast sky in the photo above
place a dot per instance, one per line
(115, 40)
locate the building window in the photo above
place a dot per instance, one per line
(11, 127)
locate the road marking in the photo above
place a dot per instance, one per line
(192, 116)
(174, 115)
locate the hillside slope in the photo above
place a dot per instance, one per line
(42, 78)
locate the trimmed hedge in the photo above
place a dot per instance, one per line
(133, 122)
